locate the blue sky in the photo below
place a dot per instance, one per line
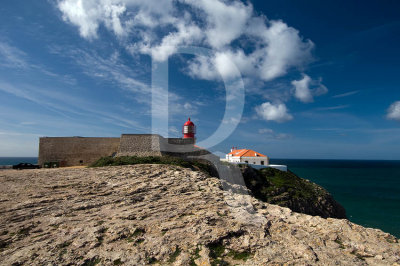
(321, 78)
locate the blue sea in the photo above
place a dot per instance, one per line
(17, 160)
(368, 190)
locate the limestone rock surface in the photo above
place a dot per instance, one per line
(166, 215)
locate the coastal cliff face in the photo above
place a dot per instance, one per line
(288, 190)
(161, 214)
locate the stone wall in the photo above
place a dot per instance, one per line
(139, 145)
(73, 151)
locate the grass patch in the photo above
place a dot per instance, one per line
(219, 262)
(195, 256)
(239, 255)
(138, 232)
(216, 250)
(174, 255)
(169, 160)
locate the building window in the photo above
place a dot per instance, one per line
(246, 161)
(262, 162)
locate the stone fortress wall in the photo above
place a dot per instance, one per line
(74, 151)
(139, 145)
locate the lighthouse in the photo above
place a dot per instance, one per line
(188, 130)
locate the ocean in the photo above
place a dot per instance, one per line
(368, 190)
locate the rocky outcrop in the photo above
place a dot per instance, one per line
(288, 190)
(160, 214)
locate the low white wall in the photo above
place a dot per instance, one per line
(255, 166)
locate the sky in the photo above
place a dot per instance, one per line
(320, 79)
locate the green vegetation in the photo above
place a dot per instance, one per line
(195, 256)
(239, 255)
(174, 255)
(131, 160)
(216, 252)
(288, 190)
(270, 181)
(132, 237)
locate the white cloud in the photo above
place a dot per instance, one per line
(218, 15)
(269, 133)
(260, 48)
(302, 90)
(265, 131)
(88, 14)
(12, 57)
(394, 111)
(274, 112)
(345, 94)
(173, 130)
(305, 89)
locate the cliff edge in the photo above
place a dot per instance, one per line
(288, 190)
(162, 214)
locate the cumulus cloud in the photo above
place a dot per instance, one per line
(394, 111)
(274, 112)
(261, 48)
(305, 89)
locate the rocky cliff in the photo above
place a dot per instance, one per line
(288, 190)
(161, 214)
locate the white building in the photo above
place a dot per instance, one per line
(247, 156)
(252, 158)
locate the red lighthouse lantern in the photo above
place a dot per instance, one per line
(188, 130)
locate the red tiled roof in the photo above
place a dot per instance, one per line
(246, 153)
